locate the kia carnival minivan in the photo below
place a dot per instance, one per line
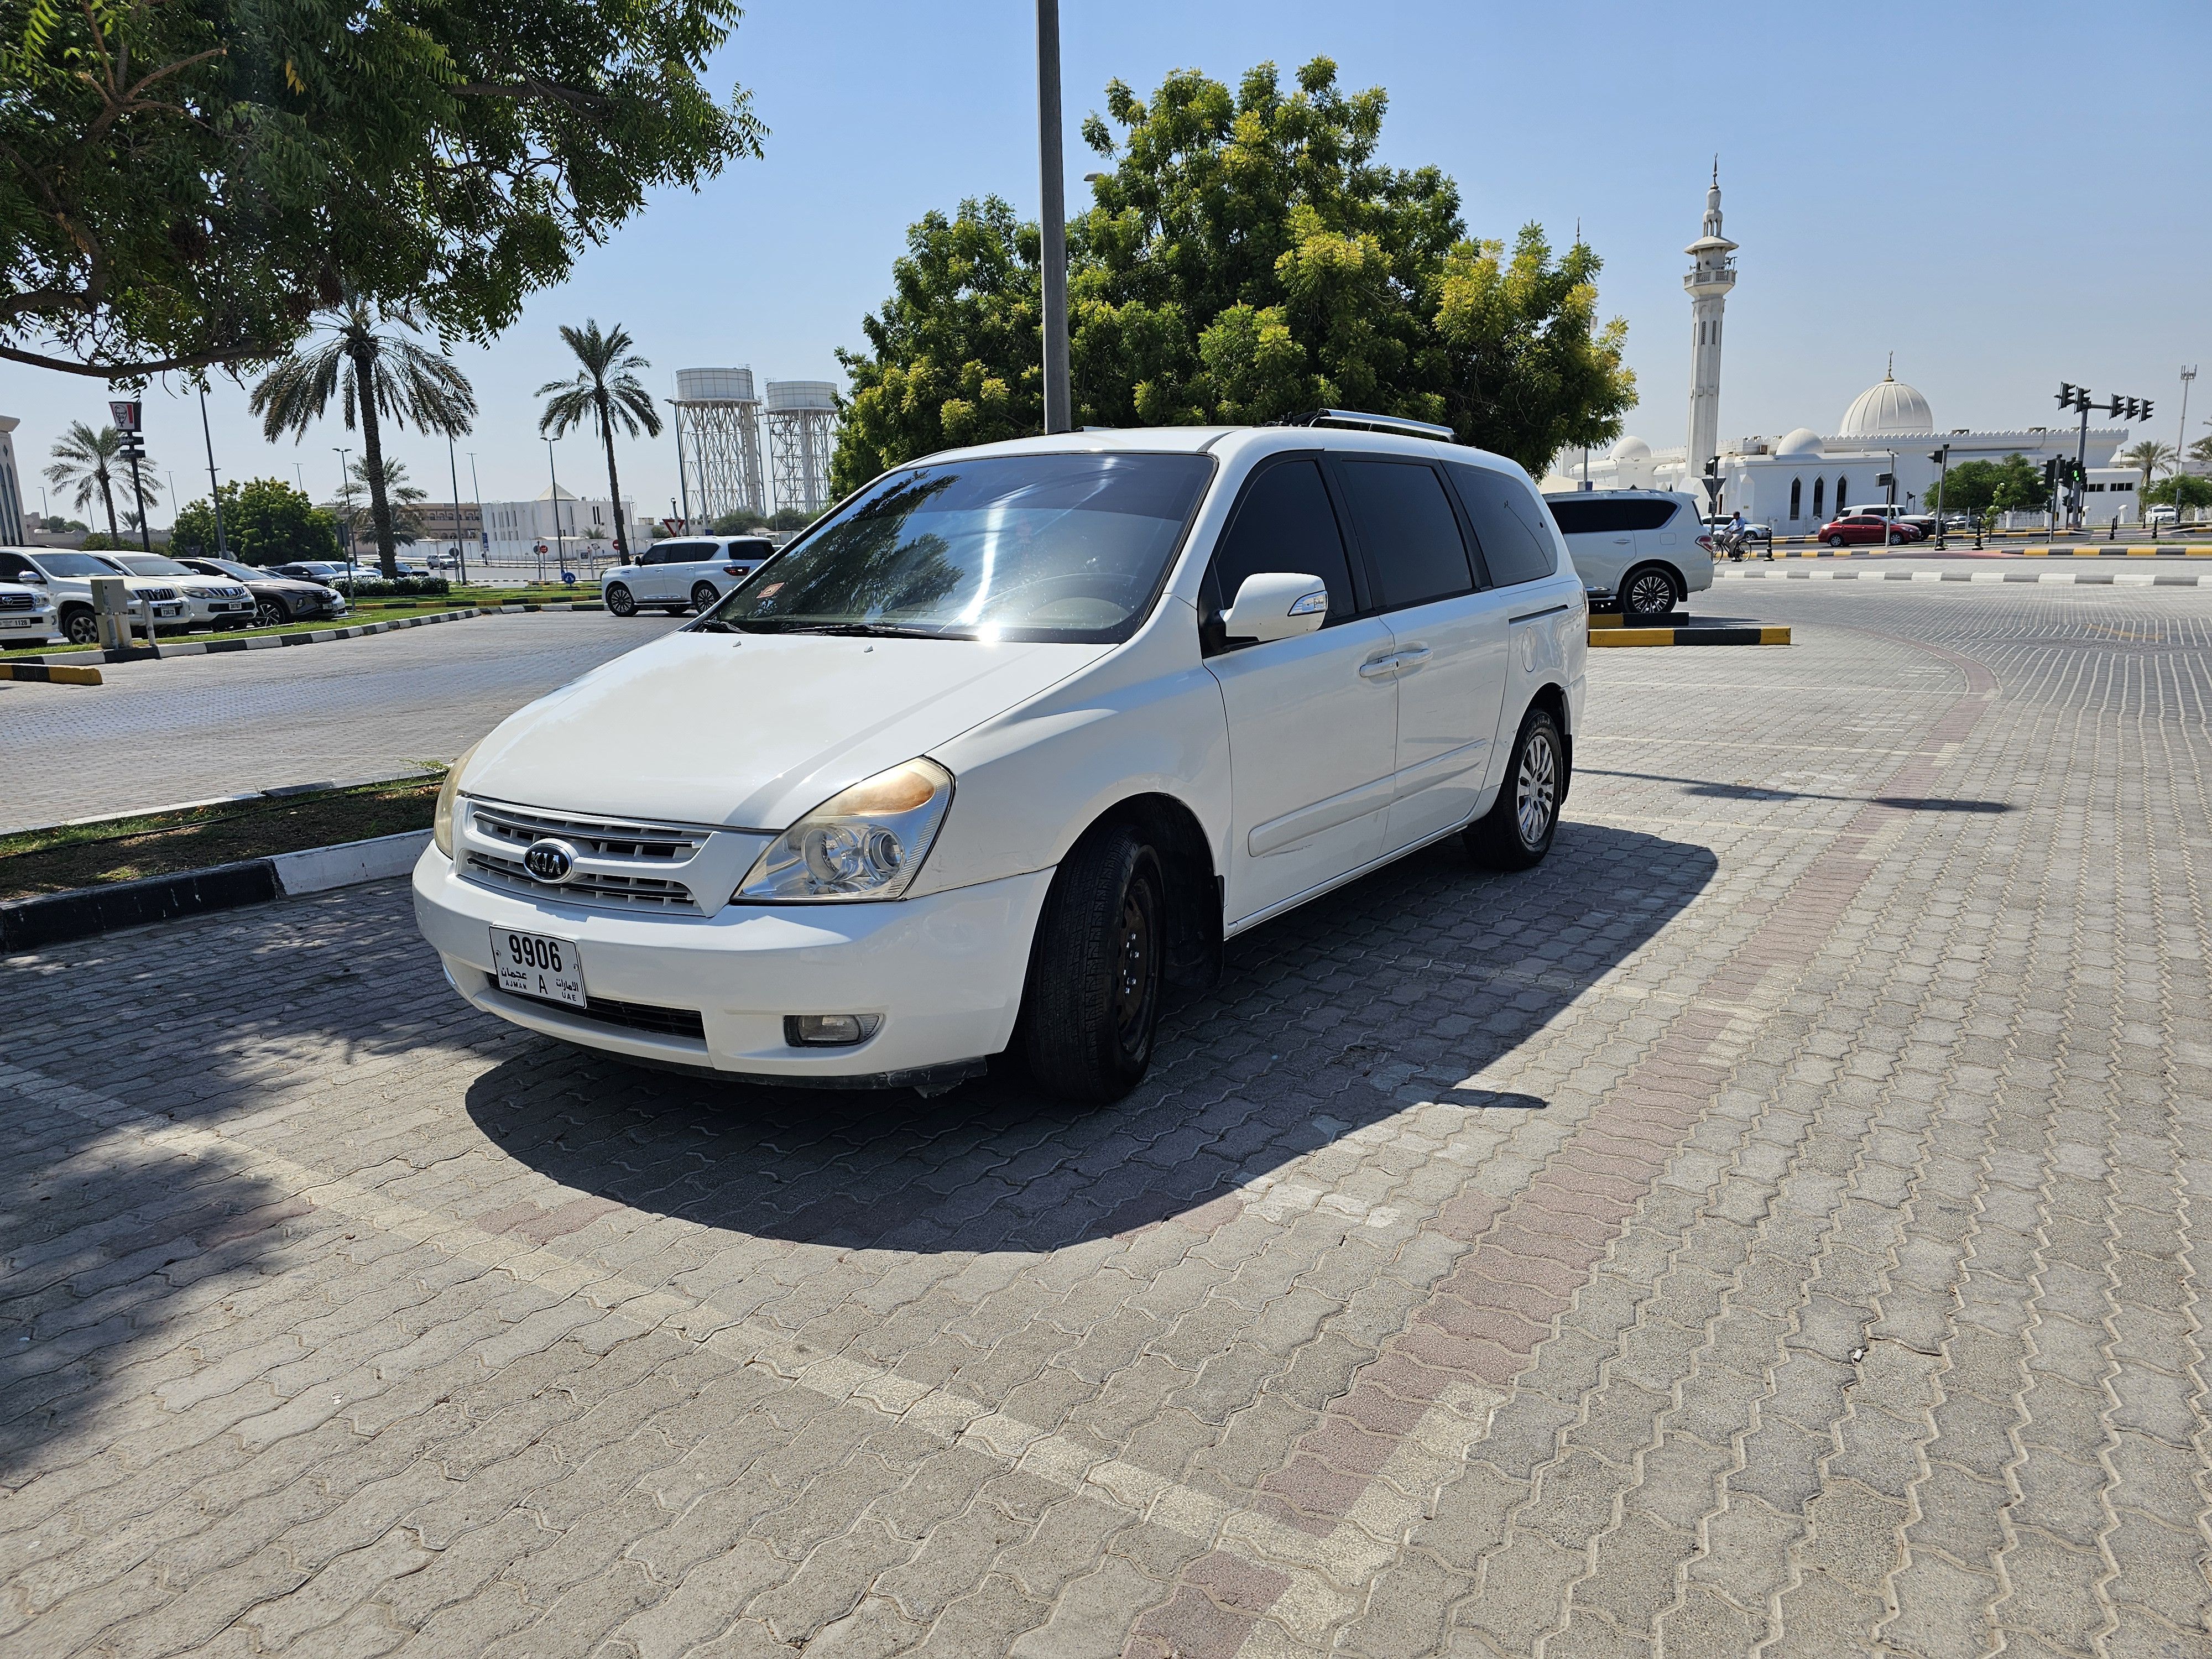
(1008, 744)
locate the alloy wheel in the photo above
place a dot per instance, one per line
(1536, 787)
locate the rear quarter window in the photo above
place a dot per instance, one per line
(1516, 546)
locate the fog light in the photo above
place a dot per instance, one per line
(829, 1030)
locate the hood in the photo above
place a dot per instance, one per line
(752, 731)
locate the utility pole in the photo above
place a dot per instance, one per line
(1058, 404)
(454, 472)
(215, 489)
(2181, 442)
(344, 504)
(682, 483)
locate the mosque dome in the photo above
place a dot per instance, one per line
(1891, 406)
(1802, 442)
(1632, 449)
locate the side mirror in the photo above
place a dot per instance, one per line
(29, 574)
(1276, 604)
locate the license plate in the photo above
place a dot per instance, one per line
(21, 622)
(533, 965)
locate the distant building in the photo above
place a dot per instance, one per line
(12, 530)
(435, 521)
(1798, 482)
(582, 524)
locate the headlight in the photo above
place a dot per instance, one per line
(442, 816)
(866, 843)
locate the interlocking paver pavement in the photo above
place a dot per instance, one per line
(1766, 1227)
(189, 728)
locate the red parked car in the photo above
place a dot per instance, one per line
(1865, 527)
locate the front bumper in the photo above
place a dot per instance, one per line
(945, 972)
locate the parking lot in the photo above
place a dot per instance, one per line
(1769, 1221)
(192, 727)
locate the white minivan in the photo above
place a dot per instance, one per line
(688, 573)
(1008, 744)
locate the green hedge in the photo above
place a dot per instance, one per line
(384, 590)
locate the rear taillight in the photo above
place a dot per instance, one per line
(736, 570)
(1706, 541)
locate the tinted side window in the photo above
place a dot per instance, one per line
(1574, 518)
(1515, 549)
(13, 564)
(1408, 530)
(1648, 515)
(1285, 523)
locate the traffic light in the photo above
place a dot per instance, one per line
(2066, 394)
(2051, 475)
(2146, 410)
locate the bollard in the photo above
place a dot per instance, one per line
(110, 609)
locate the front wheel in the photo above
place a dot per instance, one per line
(1092, 1008)
(1835, 541)
(1517, 833)
(621, 600)
(271, 613)
(703, 595)
(79, 626)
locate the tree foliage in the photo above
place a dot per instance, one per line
(2183, 489)
(89, 462)
(605, 393)
(2149, 457)
(380, 374)
(1247, 258)
(264, 521)
(185, 183)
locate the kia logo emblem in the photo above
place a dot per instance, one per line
(551, 861)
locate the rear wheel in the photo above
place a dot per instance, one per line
(1092, 1008)
(1648, 592)
(620, 600)
(702, 595)
(80, 626)
(1835, 541)
(1517, 833)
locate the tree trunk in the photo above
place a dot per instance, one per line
(107, 498)
(614, 484)
(372, 446)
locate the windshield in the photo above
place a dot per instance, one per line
(74, 564)
(150, 564)
(245, 573)
(1018, 546)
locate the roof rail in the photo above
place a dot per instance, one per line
(1359, 421)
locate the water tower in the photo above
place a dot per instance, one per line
(718, 442)
(802, 428)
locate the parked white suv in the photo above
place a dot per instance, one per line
(66, 579)
(688, 573)
(211, 602)
(27, 614)
(1646, 549)
(1009, 743)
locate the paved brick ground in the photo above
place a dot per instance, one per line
(1764, 1229)
(190, 727)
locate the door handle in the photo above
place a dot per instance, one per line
(1413, 658)
(1620, 541)
(1379, 668)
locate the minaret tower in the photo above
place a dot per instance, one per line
(1708, 281)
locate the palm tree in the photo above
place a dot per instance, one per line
(605, 392)
(385, 374)
(406, 521)
(2200, 454)
(89, 461)
(2146, 458)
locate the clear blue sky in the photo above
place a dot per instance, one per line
(2006, 195)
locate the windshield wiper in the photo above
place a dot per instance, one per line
(713, 625)
(873, 631)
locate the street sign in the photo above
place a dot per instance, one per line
(124, 415)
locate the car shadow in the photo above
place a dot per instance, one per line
(1395, 990)
(1707, 789)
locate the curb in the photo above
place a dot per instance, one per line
(319, 636)
(280, 792)
(1705, 635)
(55, 918)
(51, 673)
(2131, 578)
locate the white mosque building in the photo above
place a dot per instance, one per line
(1799, 481)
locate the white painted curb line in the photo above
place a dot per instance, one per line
(319, 869)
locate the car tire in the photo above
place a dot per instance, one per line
(621, 600)
(79, 625)
(1516, 832)
(271, 613)
(1835, 541)
(1647, 590)
(1092, 1008)
(703, 595)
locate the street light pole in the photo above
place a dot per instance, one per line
(453, 471)
(344, 503)
(2181, 441)
(1059, 404)
(560, 542)
(215, 490)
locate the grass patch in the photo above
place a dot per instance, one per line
(129, 849)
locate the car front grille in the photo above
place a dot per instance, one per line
(620, 864)
(631, 1016)
(17, 602)
(160, 595)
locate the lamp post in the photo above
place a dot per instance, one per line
(454, 472)
(560, 542)
(2181, 441)
(215, 490)
(476, 490)
(1058, 405)
(345, 503)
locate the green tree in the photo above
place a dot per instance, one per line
(605, 392)
(406, 498)
(2183, 489)
(1248, 258)
(185, 184)
(1971, 487)
(2149, 458)
(2019, 486)
(264, 521)
(385, 376)
(90, 463)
